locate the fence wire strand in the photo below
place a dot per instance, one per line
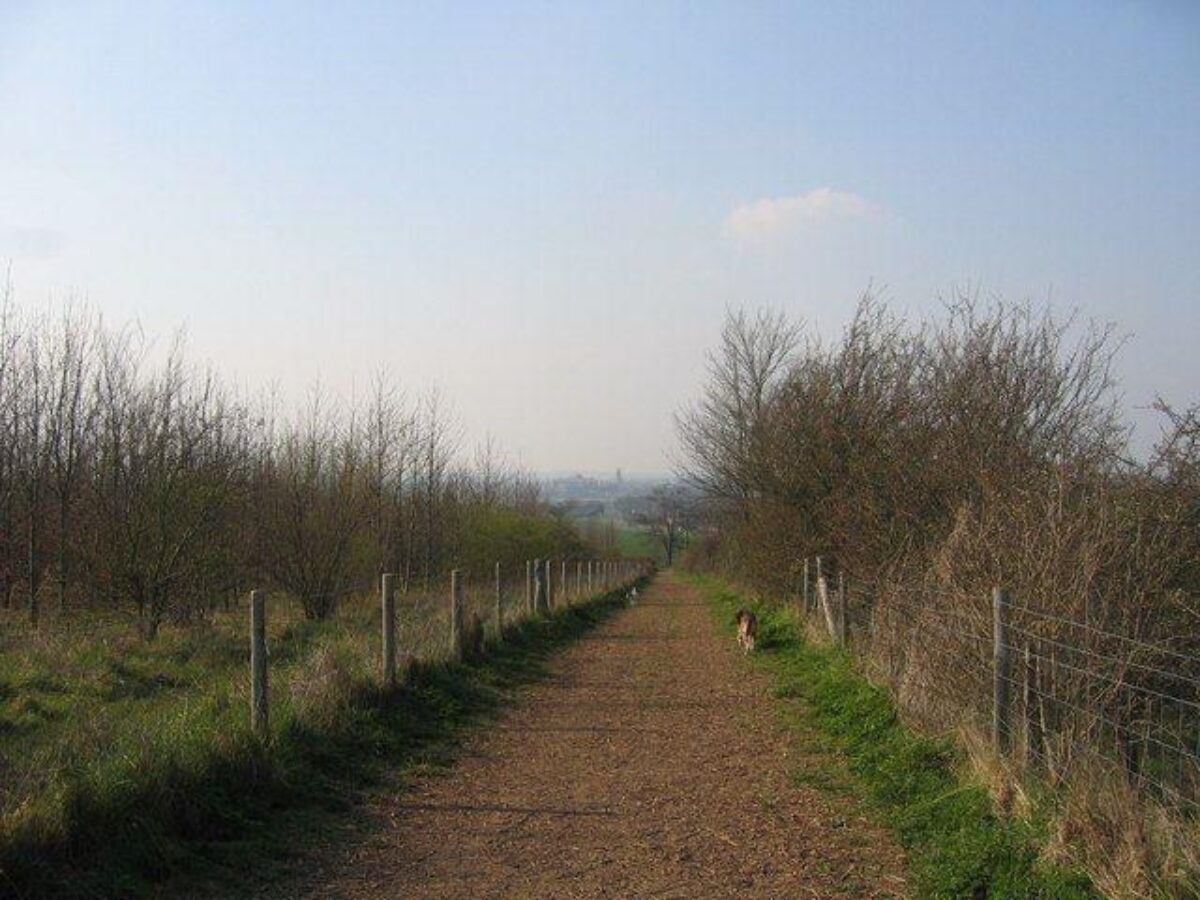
(1065, 695)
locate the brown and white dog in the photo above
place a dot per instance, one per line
(747, 626)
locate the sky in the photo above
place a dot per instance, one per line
(545, 209)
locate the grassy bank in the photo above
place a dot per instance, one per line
(956, 846)
(180, 789)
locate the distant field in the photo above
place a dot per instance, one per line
(638, 542)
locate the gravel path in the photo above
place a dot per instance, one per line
(650, 765)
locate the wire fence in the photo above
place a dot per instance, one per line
(1058, 696)
(448, 625)
(92, 702)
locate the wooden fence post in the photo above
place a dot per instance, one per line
(456, 615)
(529, 585)
(579, 578)
(499, 606)
(539, 585)
(1029, 708)
(590, 576)
(562, 584)
(820, 576)
(1001, 671)
(388, 608)
(826, 606)
(258, 663)
(535, 570)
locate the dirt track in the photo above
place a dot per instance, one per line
(650, 765)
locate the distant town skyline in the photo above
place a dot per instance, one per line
(545, 210)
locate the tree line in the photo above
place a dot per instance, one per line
(133, 479)
(929, 462)
(984, 446)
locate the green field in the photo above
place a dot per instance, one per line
(638, 543)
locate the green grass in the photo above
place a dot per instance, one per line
(636, 543)
(955, 844)
(140, 769)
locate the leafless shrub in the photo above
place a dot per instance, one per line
(934, 461)
(132, 479)
(671, 517)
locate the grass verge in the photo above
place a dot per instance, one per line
(955, 844)
(198, 805)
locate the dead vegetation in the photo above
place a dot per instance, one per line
(135, 481)
(928, 463)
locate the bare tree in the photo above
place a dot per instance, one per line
(720, 433)
(438, 442)
(168, 470)
(32, 438)
(9, 414)
(671, 518)
(312, 509)
(389, 446)
(490, 476)
(70, 423)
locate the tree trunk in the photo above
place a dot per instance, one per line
(32, 567)
(62, 557)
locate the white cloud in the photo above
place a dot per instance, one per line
(773, 215)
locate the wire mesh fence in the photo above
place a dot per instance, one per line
(1058, 695)
(443, 625)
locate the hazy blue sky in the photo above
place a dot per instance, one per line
(544, 208)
